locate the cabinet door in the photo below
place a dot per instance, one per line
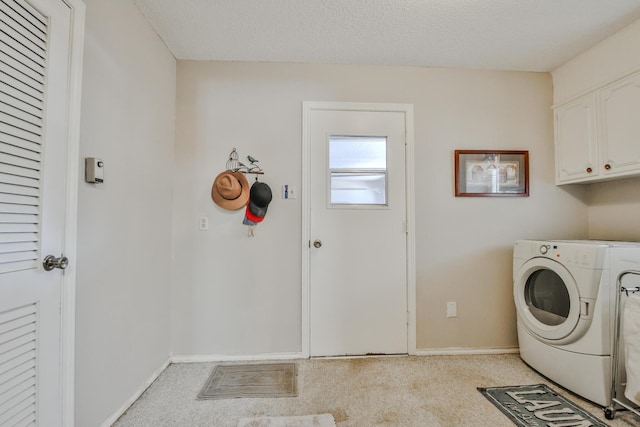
(575, 140)
(619, 126)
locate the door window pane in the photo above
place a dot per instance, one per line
(358, 170)
(357, 152)
(358, 188)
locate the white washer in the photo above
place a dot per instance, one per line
(564, 292)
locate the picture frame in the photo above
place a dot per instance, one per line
(491, 173)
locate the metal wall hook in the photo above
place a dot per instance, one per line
(234, 164)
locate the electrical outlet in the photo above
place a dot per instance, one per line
(204, 223)
(452, 309)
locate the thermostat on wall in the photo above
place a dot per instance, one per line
(93, 170)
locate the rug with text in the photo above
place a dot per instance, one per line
(538, 406)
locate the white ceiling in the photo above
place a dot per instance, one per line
(526, 35)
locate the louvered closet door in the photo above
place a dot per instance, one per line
(34, 48)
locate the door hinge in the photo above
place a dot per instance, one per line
(405, 227)
(408, 317)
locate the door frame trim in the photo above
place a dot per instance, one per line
(68, 297)
(407, 109)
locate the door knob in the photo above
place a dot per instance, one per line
(50, 262)
(317, 243)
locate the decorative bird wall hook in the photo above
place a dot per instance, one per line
(253, 168)
(235, 165)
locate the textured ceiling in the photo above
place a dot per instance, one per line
(527, 35)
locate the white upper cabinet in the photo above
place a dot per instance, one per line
(597, 136)
(576, 140)
(619, 131)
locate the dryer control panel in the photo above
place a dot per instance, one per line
(583, 254)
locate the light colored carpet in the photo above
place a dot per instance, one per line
(321, 420)
(420, 391)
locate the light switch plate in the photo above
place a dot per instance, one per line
(289, 191)
(93, 170)
(452, 309)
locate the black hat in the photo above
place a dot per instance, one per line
(259, 199)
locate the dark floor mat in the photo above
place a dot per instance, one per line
(263, 380)
(538, 406)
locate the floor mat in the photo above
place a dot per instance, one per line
(538, 406)
(263, 380)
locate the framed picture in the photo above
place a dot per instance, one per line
(483, 173)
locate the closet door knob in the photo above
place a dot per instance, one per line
(50, 262)
(589, 170)
(607, 166)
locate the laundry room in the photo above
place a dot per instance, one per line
(166, 275)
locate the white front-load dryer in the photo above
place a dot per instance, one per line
(564, 298)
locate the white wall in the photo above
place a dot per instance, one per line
(234, 295)
(614, 210)
(613, 207)
(124, 247)
(605, 62)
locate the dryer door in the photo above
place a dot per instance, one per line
(547, 301)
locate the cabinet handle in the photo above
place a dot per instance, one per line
(589, 170)
(607, 166)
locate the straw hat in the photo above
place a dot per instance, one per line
(230, 190)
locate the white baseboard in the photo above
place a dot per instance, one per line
(469, 351)
(291, 356)
(234, 358)
(113, 418)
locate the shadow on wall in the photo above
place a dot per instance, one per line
(618, 192)
(614, 209)
(577, 191)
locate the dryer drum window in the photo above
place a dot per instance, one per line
(547, 297)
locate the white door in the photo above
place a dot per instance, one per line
(34, 81)
(358, 235)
